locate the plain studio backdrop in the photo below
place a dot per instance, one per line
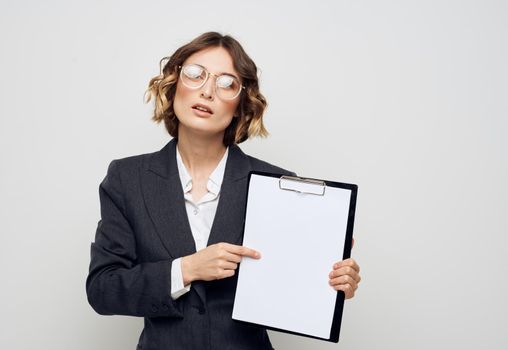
(407, 99)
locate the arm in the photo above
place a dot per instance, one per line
(117, 283)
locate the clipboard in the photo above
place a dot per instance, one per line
(301, 226)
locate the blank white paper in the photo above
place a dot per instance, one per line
(299, 236)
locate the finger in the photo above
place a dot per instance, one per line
(343, 280)
(226, 274)
(346, 288)
(241, 250)
(345, 271)
(224, 254)
(226, 265)
(348, 262)
(234, 258)
(353, 243)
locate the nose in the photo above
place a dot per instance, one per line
(207, 90)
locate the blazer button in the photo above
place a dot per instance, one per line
(165, 307)
(154, 308)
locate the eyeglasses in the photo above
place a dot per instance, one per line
(194, 76)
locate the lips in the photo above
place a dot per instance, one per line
(203, 108)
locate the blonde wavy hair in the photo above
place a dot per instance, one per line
(249, 114)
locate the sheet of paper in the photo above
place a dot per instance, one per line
(299, 236)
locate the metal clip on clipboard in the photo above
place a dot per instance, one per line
(305, 181)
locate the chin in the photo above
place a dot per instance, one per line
(202, 126)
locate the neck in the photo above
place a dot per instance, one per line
(200, 155)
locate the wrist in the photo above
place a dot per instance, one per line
(187, 273)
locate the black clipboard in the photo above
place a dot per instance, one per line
(272, 198)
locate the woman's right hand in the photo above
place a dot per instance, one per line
(214, 262)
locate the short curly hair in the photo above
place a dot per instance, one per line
(249, 114)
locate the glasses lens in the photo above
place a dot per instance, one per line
(193, 75)
(228, 86)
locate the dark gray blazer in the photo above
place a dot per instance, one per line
(143, 228)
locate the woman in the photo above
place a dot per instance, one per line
(168, 242)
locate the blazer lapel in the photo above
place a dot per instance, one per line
(163, 195)
(229, 217)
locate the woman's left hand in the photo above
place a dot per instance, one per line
(345, 277)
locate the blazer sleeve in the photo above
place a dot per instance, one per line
(117, 284)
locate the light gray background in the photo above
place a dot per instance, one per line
(407, 99)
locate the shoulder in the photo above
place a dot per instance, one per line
(130, 163)
(128, 169)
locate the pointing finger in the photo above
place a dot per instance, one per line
(241, 250)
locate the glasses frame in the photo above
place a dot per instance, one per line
(216, 87)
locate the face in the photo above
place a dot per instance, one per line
(189, 103)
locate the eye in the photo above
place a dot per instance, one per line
(225, 81)
(193, 71)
